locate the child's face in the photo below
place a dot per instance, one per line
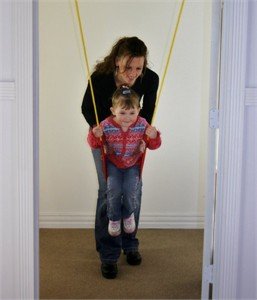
(125, 117)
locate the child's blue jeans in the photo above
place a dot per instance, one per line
(122, 186)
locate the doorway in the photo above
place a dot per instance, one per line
(183, 106)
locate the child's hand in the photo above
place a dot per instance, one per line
(97, 131)
(142, 146)
(151, 132)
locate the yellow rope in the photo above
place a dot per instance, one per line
(86, 60)
(168, 60)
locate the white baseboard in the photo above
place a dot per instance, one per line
(79, 220)
(66, 220)
(171, 221)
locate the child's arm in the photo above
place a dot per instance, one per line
(153, 140)
(94, 137)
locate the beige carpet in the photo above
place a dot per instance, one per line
(171, 266)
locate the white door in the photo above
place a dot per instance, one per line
(207, 270)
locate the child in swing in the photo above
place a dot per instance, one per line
(124, 136)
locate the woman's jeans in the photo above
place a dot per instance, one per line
(122, 186)
(110, 247)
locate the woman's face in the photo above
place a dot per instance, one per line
(129, 69)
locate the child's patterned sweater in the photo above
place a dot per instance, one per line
(122, 148)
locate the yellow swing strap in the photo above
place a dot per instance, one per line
(86, 59)
(168, 59)
(164, 75)
(90, 81)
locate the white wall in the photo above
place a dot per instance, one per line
(174, 175)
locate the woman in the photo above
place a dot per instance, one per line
(126, 64)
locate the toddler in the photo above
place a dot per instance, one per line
(124, 136)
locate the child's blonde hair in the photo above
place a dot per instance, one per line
(125, 98)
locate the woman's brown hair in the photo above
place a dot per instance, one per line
(126, 46)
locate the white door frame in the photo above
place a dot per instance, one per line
(232, 97)
(19, 251)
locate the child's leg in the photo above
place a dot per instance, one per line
(131, 181)
(130, 186)
(114, 195)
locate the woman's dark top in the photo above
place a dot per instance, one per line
(104, 86)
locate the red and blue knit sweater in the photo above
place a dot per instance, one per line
(122, 148)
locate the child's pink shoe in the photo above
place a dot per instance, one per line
(129, 224)
(114, 228)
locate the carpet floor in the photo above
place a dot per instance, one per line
(171, 267)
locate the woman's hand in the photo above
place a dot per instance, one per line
(97, 131)
(151, 132)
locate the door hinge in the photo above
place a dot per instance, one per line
(214, 118)
(208, 273)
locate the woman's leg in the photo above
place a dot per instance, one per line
(130, 241)
(108, 247)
